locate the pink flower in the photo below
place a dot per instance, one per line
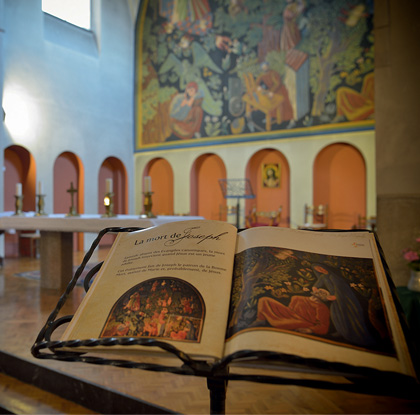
(411, 256)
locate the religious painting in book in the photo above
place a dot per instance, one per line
(329, 298)
(211, 69)
(156, 308)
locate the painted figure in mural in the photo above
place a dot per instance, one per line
(186, 113)
(290, 34)
(190, 16)
(303, 314)
(346, 312)
(354, 105)
(269, 84)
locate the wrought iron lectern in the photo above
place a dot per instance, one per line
(217, 374)
(236, 189)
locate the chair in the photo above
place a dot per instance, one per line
(226, 211)
(258, 100)
(33, 237)
(262, 218)
(365, 222)
(315, 217)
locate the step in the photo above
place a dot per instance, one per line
(71, 389)
(18, 397)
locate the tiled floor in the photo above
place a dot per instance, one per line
(24, 308)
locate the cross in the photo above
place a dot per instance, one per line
(72, 191)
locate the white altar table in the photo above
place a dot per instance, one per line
(56, 244)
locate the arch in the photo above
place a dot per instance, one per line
(162, 177)
(340, 181)
(206, 195)
(19, 167)
(113, 168)
(68, 169)
(269, 198)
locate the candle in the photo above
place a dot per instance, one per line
(147, 184)
(40, 188)
(108, 183)
(18, 189)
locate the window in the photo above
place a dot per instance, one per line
(76, 12)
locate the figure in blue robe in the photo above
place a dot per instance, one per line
(346, 312)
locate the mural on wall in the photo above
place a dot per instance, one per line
(220, 68)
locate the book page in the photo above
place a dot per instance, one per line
(171, 283)
(320, 295)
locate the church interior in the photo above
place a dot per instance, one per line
(287, 113)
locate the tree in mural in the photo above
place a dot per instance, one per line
(340, 52)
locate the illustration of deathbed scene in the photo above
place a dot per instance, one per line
(328, 298)
(162, 307)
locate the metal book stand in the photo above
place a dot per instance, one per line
(364, 380)
(236, 189)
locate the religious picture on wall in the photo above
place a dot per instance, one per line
(271, 175)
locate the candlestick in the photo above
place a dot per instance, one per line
(147, 206)
(40, 205)
(18, 189)
(109, 205)
(18, 205)
(40, 188)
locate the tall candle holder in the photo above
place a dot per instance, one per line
(40, 205)
(109, 205)
(147, 205)
(18, 205)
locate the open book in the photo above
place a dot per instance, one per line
(211, 291)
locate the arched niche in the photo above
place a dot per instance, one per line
(206, 194)
(162, 177)
(113, 168)
(269, 194)
(68, 169)
(340, 180)
(19, 167)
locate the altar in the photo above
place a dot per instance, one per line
(56, 242)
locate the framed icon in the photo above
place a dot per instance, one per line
(271, 175)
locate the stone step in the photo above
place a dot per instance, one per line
(25, 383)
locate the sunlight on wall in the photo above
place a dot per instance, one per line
(76, 12)
(22, 115)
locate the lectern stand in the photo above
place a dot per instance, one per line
(236, 189)
(217, 374)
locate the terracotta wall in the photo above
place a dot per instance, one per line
(340, 182)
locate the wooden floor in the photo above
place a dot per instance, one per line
(24, 308)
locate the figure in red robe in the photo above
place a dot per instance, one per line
(303, 314)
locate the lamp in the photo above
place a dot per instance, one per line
(147, 202)
(109, 200)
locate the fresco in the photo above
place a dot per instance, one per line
(230, 68)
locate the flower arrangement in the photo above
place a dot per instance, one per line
(412, 256)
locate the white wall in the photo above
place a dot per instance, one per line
(72, 87)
